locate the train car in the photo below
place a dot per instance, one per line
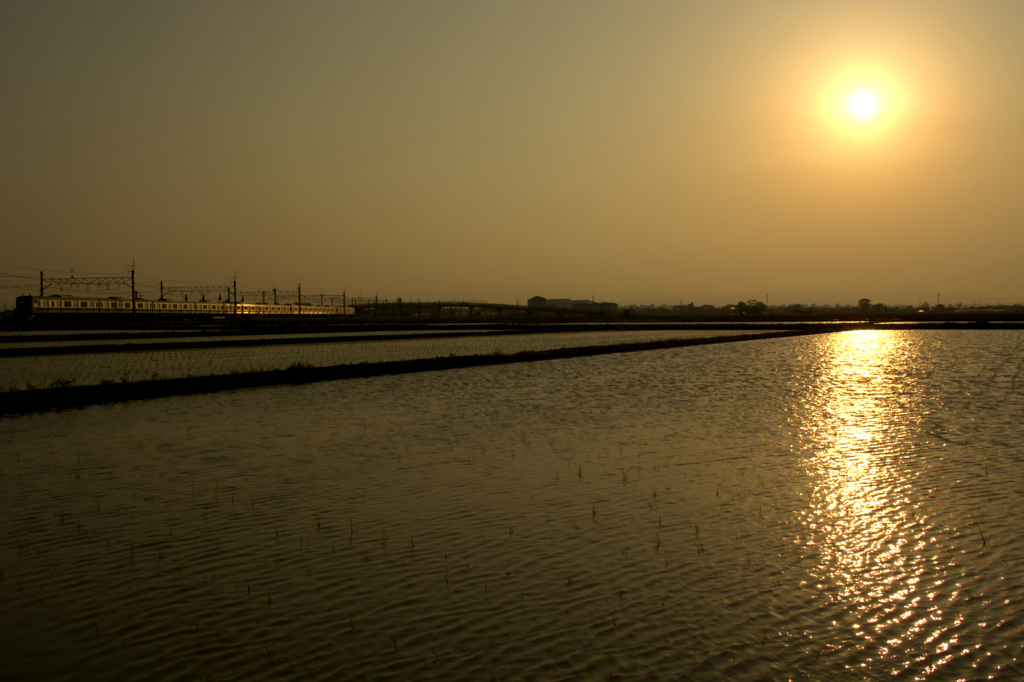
(78, 305)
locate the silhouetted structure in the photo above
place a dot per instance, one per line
(582, 306)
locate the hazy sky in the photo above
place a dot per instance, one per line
(630, 151)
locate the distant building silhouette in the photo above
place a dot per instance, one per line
(569, 304)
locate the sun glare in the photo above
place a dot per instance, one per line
(860, 106)
(863, 104)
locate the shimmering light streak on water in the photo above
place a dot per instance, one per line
(880, 555)
(839, 507)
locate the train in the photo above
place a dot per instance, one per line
(57, 304)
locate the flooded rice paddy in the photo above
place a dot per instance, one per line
(19, 373)
(9, 342)
(836, 507)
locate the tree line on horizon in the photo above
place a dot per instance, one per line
(754, 307)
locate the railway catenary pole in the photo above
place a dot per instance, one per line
(40, 284)
(300, 298)
(133, 287)
(235, 284)
(275, 295)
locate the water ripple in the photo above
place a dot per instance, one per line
(838, 507)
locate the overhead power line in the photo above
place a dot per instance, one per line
(86, 282)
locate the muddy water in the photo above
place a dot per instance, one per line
(838, 507)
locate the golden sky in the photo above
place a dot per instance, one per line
(630, 151)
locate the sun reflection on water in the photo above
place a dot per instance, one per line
(867, 533)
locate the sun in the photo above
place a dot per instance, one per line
(861, 109)
(863, 104)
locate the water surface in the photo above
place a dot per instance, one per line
(836, 507)
(19, 373)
